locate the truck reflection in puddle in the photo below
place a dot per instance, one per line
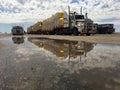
(63, 48)
(18, 40)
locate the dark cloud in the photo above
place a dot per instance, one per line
(23, 1)
(74, 1)
(96, 3)
(105, 6)
(117, 0)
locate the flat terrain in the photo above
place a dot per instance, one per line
(46, 64)
(97, 38)
(2, 36)
(1, 45)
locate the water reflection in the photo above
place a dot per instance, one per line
(55, 65)
(63, 48)
(18, 40)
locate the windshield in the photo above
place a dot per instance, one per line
(79, 16)
(17, 27)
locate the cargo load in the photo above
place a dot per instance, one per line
(35, 29)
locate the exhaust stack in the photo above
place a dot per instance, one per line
(81, 10)
(86, 15)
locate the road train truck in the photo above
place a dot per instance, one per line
(62, 23)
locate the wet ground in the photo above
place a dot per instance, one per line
(29, 63)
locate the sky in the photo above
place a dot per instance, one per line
(28, 12)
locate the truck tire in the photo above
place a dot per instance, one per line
(109, 32)
(75, 31)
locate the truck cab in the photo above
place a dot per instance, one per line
(81, 24)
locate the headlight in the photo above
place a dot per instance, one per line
(80, 24)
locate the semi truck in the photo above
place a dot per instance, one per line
(62, 23)
(17, 30)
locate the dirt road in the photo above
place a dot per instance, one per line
(101, 38)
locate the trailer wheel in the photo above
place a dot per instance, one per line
(75, 31)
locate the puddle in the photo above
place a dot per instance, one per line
(29, 63)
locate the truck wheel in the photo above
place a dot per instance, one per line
(88, 34)
(109, 32)
(75, 31)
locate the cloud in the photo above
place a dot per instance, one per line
(16, 11)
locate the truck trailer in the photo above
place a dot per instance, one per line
(104, 28)
(35, 29)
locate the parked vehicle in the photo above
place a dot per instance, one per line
(17, 30)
